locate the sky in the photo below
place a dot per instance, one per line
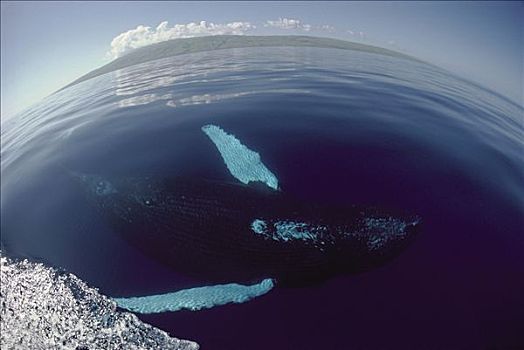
(46, 45)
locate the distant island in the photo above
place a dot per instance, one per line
(198, 44)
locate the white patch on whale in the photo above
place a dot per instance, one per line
(291, 230)
(196, 298)
(288, 230)
(259, 226)
(243, 163)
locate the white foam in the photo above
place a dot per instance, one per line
(196, 298)
(42, 308)
(243, 163)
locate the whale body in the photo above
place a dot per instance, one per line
(225, 232)
(248, 231)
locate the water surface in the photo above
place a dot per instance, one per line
(334, 126)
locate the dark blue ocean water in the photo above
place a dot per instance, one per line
(336, 127)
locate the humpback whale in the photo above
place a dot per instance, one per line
(245, 231)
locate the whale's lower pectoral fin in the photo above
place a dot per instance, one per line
(196, 298)
(243, 163)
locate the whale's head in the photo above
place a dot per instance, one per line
(122, 199)
(95, 185)
(101, 192)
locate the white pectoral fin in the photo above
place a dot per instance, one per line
(196, 298)
(243, 163)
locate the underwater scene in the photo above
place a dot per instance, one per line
(270, 198)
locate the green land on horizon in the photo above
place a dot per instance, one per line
(208, 43)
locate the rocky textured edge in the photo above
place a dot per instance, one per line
(44, 308)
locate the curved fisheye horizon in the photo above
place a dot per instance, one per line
(479, 42)
(261, 175)
(180, 46)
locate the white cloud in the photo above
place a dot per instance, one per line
(288, 23)
(142, 35)
(357, 35)
(328, 28)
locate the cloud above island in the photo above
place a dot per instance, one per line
(288, 23)
(144, 35)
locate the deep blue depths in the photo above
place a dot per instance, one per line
(334, 126)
